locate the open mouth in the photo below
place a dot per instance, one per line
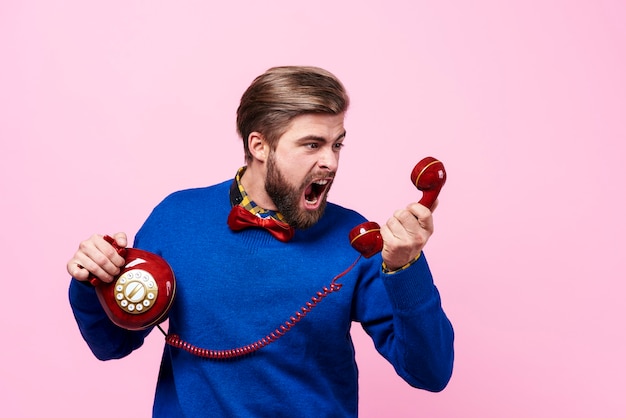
(314, 192)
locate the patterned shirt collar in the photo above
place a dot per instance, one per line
(238, 196)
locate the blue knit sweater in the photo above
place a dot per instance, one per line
(234, 288)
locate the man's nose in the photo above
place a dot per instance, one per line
(329, 159)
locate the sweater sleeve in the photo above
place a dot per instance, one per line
(409, 327)
(105, 339)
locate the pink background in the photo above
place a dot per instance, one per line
(106, 107)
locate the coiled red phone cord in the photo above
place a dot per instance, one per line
(175, 341)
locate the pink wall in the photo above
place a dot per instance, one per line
(106, 107)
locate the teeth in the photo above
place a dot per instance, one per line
(320, 183)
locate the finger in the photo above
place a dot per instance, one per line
(419, 211)
(397, 247)
(86, 268)
(408, 221)
(406, 226)
(120, 239)
(399, 231)
(106, 254)
(99, 258)
(423, 216)
(395, 226)
(76, 270)
(387, 233)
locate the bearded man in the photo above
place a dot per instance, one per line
(249, 251)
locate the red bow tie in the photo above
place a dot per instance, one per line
(240, 218)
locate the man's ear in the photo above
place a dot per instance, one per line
(258, 146)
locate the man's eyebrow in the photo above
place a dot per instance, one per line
(321, 138)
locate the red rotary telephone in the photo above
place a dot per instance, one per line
(429, 176)
(141, 295)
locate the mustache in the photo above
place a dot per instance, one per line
(321, 175)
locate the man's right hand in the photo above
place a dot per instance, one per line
(98, 257)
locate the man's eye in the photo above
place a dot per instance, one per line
(312, 145)
(338, 145)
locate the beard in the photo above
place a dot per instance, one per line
(287, 197)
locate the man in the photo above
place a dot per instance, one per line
(235, 284)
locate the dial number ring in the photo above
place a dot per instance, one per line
(136, 291)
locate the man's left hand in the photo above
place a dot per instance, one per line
(405, 234)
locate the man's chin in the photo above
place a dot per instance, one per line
(306, 218)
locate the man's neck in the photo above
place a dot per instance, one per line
(253, 181)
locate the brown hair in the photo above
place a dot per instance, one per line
(282, 93)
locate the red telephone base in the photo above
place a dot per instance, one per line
(142, 294)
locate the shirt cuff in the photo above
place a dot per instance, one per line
(404, 267)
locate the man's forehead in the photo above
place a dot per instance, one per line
(323, 126)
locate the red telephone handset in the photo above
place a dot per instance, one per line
(429, 176)
(141, 295)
